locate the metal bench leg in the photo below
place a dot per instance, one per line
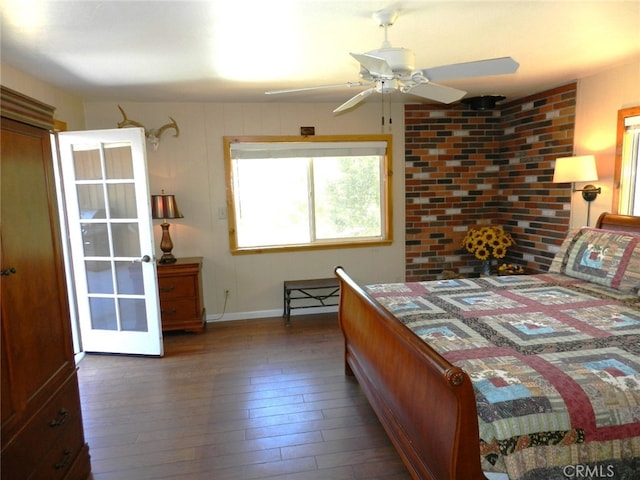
(287, 307)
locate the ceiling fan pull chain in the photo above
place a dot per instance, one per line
(382, 111)
(389, 105)
(382, 98)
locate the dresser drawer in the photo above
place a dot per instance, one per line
(177, 287)
(59, 420)
(180, 288)
(178, 311)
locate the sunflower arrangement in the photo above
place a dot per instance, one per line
(487, 242)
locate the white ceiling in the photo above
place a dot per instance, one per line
(235, 50)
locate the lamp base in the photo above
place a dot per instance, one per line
(166, 245)
(167, 258)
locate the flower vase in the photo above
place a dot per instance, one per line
(486, 268)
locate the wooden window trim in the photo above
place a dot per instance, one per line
(387, 206)
(617, 172)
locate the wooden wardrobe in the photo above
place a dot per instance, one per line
(41, 434)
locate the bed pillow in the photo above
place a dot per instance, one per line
(559, 261)
(604, 257)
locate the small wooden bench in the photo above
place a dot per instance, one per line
(320, 290)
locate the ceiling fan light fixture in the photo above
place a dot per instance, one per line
(483, 102)
(387, 86)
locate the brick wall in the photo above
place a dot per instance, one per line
(465, 167)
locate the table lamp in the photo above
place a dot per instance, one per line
(164, 207)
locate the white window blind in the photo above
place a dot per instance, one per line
(306, 149)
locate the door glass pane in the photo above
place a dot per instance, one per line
(118, 161)
(87, 164)
(91, 201)
(103, 314)
(122, 200)
(99, 278)
(126, 240)
(95, 238)
(129, 278)
(133, 315)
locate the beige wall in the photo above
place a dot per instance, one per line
(599, 99)
(191, 167)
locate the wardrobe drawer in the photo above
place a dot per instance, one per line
(59, 459)
(59, 419)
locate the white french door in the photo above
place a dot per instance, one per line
(107, 204)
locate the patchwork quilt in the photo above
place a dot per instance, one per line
(555, 367)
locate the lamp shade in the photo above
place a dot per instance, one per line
(164, 206)
(575, 169)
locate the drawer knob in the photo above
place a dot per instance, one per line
(173, 311)
(65, 461)
(167, 289)
(8, 271)
(63, 414)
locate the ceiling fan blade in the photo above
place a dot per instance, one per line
(318, 87)
(355, 100)
(375, 65)
(436, 92)
(480, 68)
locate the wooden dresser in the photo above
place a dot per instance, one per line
(42, 432)
(181, 300)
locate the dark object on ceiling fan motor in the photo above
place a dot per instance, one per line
(483, 102)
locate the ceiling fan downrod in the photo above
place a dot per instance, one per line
(385, 19)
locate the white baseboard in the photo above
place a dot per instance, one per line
(228, 317)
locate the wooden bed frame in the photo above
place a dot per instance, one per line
(426, 405)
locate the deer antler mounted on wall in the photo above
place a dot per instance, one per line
(152, 134)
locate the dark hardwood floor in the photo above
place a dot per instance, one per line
(244, 400)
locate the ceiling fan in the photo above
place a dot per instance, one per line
(388, 69)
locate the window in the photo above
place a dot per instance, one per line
(627, 175)
(292, 193)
